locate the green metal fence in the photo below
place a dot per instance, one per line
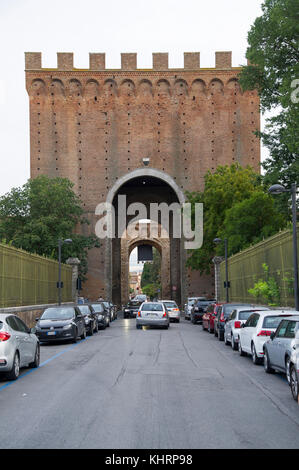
(29, 279)
(246, 268)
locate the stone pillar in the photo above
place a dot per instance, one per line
(74, 263)
(217, 260)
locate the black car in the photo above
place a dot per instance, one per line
(102, 314)
(131, 309)
(60, 324)
(110, 309)
(199, 308)
(90, 319)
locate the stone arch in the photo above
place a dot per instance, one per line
(91, 90)
(37, 88)
(180, 87)
(163, 87)
(216, 86)
(198, 87)
(163, 246)
(74, 88)
(233, 86)
(145, 88)
(110, 87)
(127, 87)
(57, 88)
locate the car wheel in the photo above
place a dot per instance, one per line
(75, 338)
(294, 383)
(96, 328)
(255, 359)
(91, 330)
(220, 336)
(15, 371)
(288, 375)
(233, 344)
(83, 336)
(36, 361)
(138, 327)
(202, 326)
(242, 353)
(267, 364)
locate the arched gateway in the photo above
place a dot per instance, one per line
(100, 128)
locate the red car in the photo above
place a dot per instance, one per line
(209, 316)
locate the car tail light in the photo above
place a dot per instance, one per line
(139, 313)
(222, 319)
(264, 333)
(164, 314)
(175, 309)
(238, 324)
(4, 336)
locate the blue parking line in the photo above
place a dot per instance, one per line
(42, 364)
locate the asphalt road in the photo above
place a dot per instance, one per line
(147, 389)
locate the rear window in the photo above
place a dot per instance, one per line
(58, 313)
(170, 304)
(84, 309)
(1, 325)
(148, 307)
(245, 315)
(98, 307)
(271, 322)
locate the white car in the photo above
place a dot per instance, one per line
(294, 369)
(173, 310)
(152, 314)
(257, 330)
(235, 321)
(189, 305)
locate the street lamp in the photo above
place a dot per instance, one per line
(217, 241)
(60, 243)
(279, 189)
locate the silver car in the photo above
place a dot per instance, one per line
(173, 310)
(278, 350)
(152, 314)
(294, 367)
(235, 321)
(19, 346)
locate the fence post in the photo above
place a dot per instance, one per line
(74, 263)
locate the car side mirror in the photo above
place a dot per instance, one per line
(36, 319)
(272, 335)
(32, 330)
(243, 325)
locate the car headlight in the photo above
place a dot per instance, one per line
(87, 320)
(67, 327)
(127, 310)
(100, 317)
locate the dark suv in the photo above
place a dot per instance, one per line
(199, 308)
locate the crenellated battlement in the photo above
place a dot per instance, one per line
(97, 61)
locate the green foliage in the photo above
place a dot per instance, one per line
(43, 210)
(151, 290)
(274, 50)
(266, 290)
(224, 188)
(250, 221)
(151, 273)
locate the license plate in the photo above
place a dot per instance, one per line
(151, 314)
(51, 333)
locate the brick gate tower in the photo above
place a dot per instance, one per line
(97, 126)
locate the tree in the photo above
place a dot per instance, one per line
(250, 221)
(273, 54)
(43, 210)
(227, 186)
(151, 273)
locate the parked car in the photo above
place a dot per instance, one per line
(102, 314)
(173, 310)
(60, 324)
(278, 350)
(90, 319)
(199, 308)
(222, 314)
(189, 305)
(152, 314)
(209, 317)
(19, 346)
(257, 330)
(131, 309)
(109, 309)
(294, 368)
(235, 321)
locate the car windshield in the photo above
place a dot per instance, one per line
(84, 309)
(148, 307)
(65, 313)
(170, 304)
(227, 309)
(106, 304)
(98, 307)
(271, 322)
(245, 314)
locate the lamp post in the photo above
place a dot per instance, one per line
(60, 243)
(279, 189)
(217, 241)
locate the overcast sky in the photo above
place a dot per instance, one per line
(174, 26)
